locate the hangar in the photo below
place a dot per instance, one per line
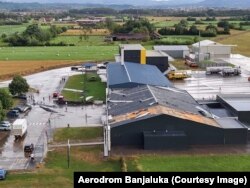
(153, 117)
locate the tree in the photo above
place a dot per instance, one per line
(2, 114)
(110, 24)
(212, 28)
(18, 85)
(5, 99)
(193, 30)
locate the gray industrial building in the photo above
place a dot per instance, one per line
(127, 75)
(238, 105)
(175, 51)
(211, 50)
(136, 53)
(153, 117)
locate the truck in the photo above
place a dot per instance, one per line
(225, 71)
(174, 74)
(19, 128)
(231, 71)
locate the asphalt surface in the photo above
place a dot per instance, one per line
(42, 122)
(202, 86)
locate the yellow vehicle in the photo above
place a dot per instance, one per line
(172, 75)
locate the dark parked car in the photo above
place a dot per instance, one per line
(22, 96)
(28, 148)
(2, 174)
(13, 113)
(22, 108)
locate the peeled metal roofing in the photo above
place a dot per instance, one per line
(123, 101)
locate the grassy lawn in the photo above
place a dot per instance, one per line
(83, 53)
(192, 163)
(79, 134)
(180, 65)
(55, 173)
(93, 88)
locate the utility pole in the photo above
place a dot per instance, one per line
(68, 153)
(199, 47)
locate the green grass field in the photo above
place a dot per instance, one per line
(80, 134)
(57, 174)
(95, 53)
(93, 88)
(192, 163)
(10, 29)
(91, 41)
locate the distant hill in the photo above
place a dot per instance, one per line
(225, 3)
(121, 4)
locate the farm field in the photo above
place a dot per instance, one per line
(89, 41)
(83, 53)
(92, 32)
(10, 29)
(10, 68)
(239, 38)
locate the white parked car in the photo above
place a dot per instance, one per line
(5, 126)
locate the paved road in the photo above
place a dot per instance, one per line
(39, 130)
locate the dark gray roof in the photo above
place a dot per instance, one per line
(171, 48)
(136, 74)
(240, 102)
(230, 123)
(122, 101)
(175, 98)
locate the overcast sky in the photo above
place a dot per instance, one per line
(99, 1)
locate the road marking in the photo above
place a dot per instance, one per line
(37, 123)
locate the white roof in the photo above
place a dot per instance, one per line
(132, 46)
(171, 47)
(208, 43)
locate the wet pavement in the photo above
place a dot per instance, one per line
(41, 122)
(202, 86)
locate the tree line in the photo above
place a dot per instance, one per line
(34, 35)
(182, 28)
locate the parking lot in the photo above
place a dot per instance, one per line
(41, 123)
